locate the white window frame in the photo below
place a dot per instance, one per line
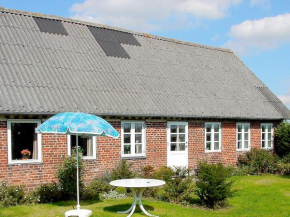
(243, 136)
(133, 154)
(212, 137)
(94, 138)
(266, 139)
(39, 142)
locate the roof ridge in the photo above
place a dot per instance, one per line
(70, 20)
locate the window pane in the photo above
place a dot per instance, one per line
(216, 127)
(246, 144)
(127, 127)
(173, 147)
(269, 136)
(216, 137)
(247, 128)
(138, 148)
(138, 138)
(181, 128)
(216, 146)
(182, 147)
(263, 144)
(208, 128)
(239, 136)
(173, 138)
(24, 139)
(173, 129)
(269, 128)
(263, 136)
(269, 144)
(239, 145)
(138, 127)
(208, 137)
(240, 128)
(246, 136)
(127, 138)
(263, 128)
(181, 138)
(208, 146)
(85, 143)
(127, 149)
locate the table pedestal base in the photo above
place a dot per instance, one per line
(137, 194)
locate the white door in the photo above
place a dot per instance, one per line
(177, 144)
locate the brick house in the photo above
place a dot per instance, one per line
(173, 102)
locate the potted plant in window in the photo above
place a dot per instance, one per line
(25, 154)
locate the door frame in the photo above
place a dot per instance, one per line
(169, 123)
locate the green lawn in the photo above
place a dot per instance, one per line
(266, 195)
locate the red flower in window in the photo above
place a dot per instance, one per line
(25, 153)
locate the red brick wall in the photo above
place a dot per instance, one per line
(54, 148)
(256, 135)
(228, 154)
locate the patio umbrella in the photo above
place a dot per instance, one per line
(77, 123)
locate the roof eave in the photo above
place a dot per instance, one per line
(153, 116)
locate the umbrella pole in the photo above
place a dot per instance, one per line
(78, 190)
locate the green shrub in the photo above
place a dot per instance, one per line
(163, 173)
(282, 139)
(32, 197)
(48, 193)
(113, 195)
(121, 190)
(95, 188)
(179, 187)
(283, 168)
(11, 195)
(258, 161)
(147, 172)
(286, 159)
(212, 187)
(242, 170)
(67, 177)
(122, 171)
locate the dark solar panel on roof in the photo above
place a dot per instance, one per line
(126, 38)
(50, 26)
(113, 49)
(110, 41)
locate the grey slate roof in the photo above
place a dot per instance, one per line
(47, 71)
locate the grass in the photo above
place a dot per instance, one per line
(266, 195)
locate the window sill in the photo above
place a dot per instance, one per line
(242, 150)
(134, 157)
(267, 149)
(214, 151)
(89, 158)
(19, 162)
(86, 158)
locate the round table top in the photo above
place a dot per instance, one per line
(137, 183)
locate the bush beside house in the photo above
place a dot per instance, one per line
(282, 139)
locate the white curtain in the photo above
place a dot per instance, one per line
(35, 147)
(90, 146)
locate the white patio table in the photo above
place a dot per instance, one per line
(137, 187)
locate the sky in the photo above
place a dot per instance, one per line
(258, 31)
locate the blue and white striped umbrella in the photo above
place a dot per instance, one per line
(77, 124)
